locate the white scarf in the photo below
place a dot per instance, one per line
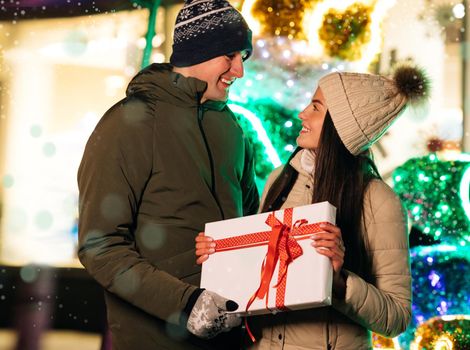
(307, 160)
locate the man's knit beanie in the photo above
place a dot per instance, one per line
(206, 29)
(364, 106)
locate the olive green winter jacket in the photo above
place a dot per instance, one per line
(158, 166)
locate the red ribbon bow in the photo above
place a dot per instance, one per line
(282, 246)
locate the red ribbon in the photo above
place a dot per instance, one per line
(282, 247)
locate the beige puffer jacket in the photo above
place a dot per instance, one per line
(384, 308)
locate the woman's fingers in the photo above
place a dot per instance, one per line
(202, 245)
(204, 250)
(324, 243)
(336, 257)
(201, 259)
(204, 242)
(205, 246)
(331, 236)
(334, 252)
(330, 228)
(329, 243)
(201, 237)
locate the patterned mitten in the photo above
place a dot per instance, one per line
(209, 315)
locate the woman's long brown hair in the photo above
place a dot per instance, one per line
(341, 179)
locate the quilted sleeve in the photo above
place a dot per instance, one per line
(385, 306)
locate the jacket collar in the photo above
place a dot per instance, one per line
(297, 161)
(158, 82)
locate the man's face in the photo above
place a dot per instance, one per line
(219, 73)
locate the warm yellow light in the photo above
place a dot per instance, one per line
(313, 20)
(252, 22)
(373, 47)
(444, 343)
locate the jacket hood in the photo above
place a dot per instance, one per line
(158, 82)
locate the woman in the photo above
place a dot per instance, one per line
(368, 247)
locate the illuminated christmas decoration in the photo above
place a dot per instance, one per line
(260, 132)
(260, 118)
(282, 17)
(443, 333)
(383, 343)
(440, 284)
(436, 196)
(343, 33)
(464, 192)
(330, 29)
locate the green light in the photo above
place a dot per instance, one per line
(398, 178)
(432, 157)
(464, 192)
(436, 195)
(262, 135)
(289, 148)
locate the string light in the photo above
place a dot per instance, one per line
(261, 132)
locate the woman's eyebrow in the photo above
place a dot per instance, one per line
(317, 101)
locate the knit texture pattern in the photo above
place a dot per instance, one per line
(362, 106)
(206, 29)
(209, 316)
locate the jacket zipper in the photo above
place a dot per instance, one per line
(200, 116)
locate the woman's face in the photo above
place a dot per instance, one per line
(312, 118)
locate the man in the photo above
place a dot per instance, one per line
(160, 164)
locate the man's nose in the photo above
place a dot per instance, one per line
(237, 65)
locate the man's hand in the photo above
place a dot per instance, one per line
(209, 315)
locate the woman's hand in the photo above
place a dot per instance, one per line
(205, 246)
(330, 243)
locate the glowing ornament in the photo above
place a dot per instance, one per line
(440, 284)
(343, 33)
(436, 195)
(314, 24)
(465, 192)
(443, 333)
(280, 17)
(383, 343)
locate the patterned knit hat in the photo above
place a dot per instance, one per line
(364, 106)
(206, 29)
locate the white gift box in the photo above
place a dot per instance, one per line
(234, 270)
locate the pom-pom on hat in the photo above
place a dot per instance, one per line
(364, 106)
(206, 29)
